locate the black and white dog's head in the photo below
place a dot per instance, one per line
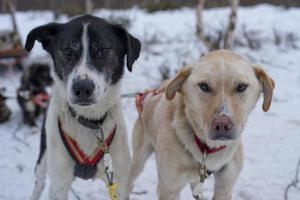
(88, 54)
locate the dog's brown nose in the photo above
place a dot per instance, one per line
(222, 124)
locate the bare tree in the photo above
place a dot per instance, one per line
(16, 36)
(107, 3)
(55, 7)
(216, 43)
(199, 16)
(88, 6)
(228, 38)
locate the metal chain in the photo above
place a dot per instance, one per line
(202, 171)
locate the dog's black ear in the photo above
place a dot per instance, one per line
(131, 44)
(44, 34)
(133, 50)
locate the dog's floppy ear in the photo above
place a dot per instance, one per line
(131, 44)
(268, 86)
(44, 34)
(176, 83)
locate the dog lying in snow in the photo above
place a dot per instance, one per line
(194, 122)
(84, 120)
(32, 95)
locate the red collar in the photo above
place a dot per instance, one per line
(77, 154)
(204, 148)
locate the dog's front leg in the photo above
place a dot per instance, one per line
(171, 180)
(121, 175)
(226, 177)
(120, 155)
(197, 189)
(60, 186)
(168, 192)
(58, 193)
(60, 170)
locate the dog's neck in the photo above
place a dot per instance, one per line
(180, 119)
(89, 123)
(84, 136)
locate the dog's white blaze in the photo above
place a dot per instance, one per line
(84, 70)
(223, 106)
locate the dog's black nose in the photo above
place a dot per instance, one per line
(83, 89)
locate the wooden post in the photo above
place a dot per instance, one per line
(228, 39)
(12, 10)
(16, 36)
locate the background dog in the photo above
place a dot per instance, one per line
(34, 81)
(88, 55)
(5, 112)
(194, 124)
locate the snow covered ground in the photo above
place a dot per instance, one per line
(271, 139)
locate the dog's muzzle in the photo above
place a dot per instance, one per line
(222, 128)
(83, 92)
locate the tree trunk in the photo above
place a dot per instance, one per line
(55, 8)
(199, 16)
(88, 7)
(228, 39)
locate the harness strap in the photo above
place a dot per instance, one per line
(140, 97)
(77, 154)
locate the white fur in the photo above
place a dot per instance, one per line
(30, 106)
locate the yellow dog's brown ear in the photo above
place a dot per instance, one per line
(176, 83)
(268, 86)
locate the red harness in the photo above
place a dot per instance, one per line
(139, 98)
(40, 99)
(78, 155)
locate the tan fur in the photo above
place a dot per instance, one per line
(175, 85)
(268, 86)
(169, 120)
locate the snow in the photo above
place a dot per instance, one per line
(271, 140)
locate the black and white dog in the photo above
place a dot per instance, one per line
(32, 94)
(88, 55)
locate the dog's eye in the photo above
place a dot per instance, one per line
(241, 87)
(204, 87)
(68, 52)
(103, 51)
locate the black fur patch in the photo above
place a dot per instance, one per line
(108, 45)
(43, 143)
